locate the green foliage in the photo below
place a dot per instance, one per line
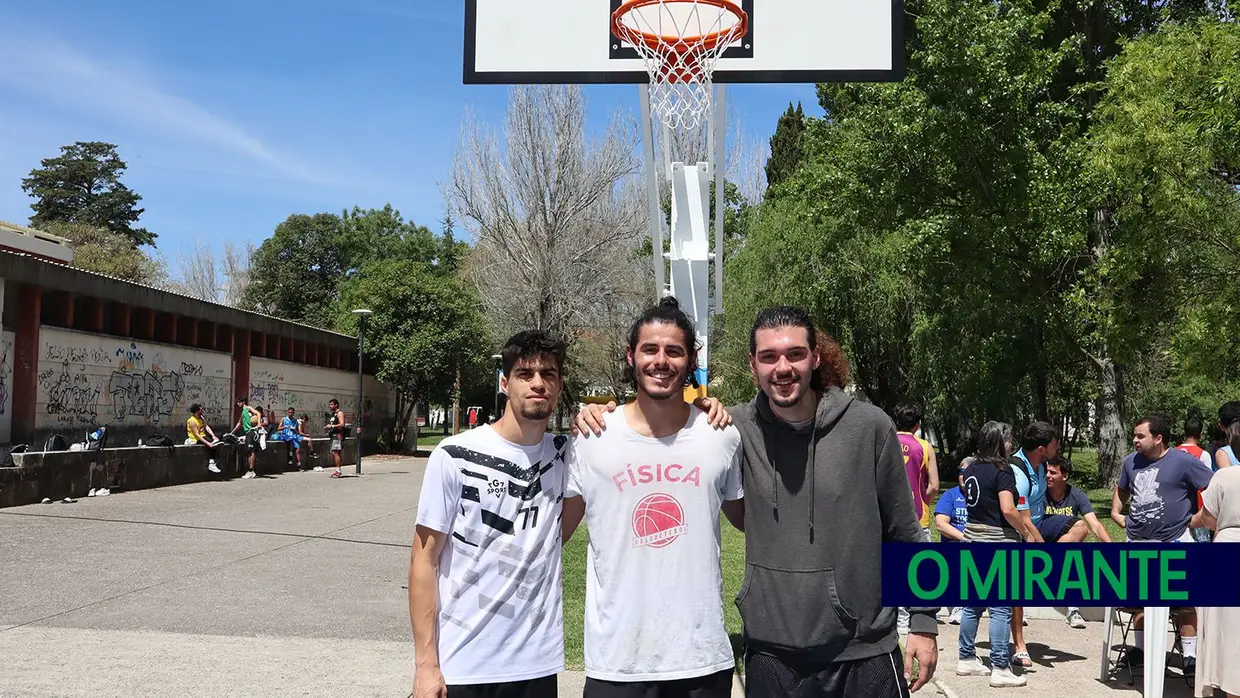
(786, 146)
(297, 273)
(82, 185)
(986, 235)
(426, 323)
(105, 252)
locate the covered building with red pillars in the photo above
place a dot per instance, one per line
(80, 350)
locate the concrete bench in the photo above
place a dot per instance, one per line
(58, 474)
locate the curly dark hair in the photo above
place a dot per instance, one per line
(531, 344)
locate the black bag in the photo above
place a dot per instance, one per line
(56, 442)
(229, 438)
(158, 440)
(6, 456)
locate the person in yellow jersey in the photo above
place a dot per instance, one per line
(922, 469)
(198, 432)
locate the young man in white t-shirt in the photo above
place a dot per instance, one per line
(484, 577)
(651, 489)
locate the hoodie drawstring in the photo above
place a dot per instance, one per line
(809, 472)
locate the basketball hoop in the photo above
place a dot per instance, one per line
(680, 41)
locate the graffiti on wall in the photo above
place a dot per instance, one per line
(88, 380)
(308, 389)
(6, 372)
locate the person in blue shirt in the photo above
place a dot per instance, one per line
(1039, 443)
(951, 513)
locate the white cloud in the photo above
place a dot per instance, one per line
(92, 87)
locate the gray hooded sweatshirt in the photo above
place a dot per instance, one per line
(819, 502)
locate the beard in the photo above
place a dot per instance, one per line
(648, 386)
(799, 391)
(536, 411)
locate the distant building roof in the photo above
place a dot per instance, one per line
(39, 243)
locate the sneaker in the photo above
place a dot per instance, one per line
(956, 616)
(248, 474)
(1075, 620)
(91, 493)
(213, 467)
(318, 468)
(1004, 678)
(102, 492)
(337, 473)
(971, 667)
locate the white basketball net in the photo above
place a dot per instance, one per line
(681, 64)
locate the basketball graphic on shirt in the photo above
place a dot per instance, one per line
(658, 520)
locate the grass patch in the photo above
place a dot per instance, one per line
(574, 557)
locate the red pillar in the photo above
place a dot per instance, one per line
(95, 320)
(241, 365)
(190, 326)
(67, 315)
(126, 318)
(150, 325)
(275, 346)
(26, 362)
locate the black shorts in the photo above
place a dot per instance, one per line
(252, 440)
(767, 676)
(716, 685)
(1054, 526)
(544, 687)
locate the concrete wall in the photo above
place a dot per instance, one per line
(6, 386)
(133, 387)
(74, 473)
(308, 389)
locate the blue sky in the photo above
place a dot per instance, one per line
(233, 114)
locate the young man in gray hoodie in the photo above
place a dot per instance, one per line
(825, 487)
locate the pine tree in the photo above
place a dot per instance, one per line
(786, 146)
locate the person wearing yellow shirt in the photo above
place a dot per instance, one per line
(197, 432)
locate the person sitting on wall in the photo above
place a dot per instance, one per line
(198, 432)
(290, 431)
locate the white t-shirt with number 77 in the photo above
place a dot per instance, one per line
(654, 588)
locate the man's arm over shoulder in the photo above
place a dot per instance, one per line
(732, 493)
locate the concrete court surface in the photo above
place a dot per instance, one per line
(292, 585)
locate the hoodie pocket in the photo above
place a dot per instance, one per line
(794, 609)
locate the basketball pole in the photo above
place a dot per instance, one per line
(652, 194)
(720, 136)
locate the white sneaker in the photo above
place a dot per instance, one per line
(1004, 678)
(971, 667)
(248, 474)
(1075, 620)
(956, 616)
(91, 493)
(318, 468)
(213, 467)
(102, 492)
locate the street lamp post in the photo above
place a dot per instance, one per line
(362, 314)
(498, 358)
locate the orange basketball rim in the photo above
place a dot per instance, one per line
(682, 52)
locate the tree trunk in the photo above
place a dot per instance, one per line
(1111, 435)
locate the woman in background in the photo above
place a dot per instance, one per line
(1219, 643)
(990, 492)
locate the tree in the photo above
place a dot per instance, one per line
(297, 272)
(426, 325)
(219, 279)
(104, 252)
(786, 146)
(83, 185)
(554, 213)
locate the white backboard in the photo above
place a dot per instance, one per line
(570, 42)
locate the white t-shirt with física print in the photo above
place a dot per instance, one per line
(654, 609)
(500, 610)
